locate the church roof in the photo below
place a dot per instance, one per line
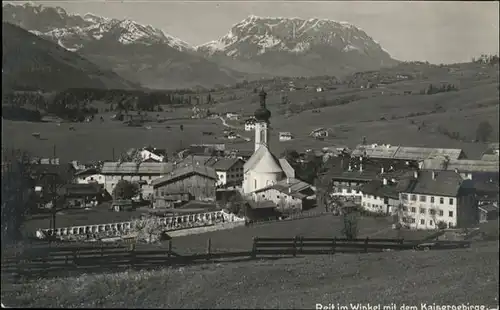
(263, 161)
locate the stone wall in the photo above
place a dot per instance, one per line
(118, 229)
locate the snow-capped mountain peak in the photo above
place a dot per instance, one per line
(256, 35)
(73, 31)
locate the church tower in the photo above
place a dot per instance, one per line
(262, 116)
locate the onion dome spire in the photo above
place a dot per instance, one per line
(262, 113)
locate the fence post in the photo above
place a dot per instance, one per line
(169, 248)
(254, 247)
(301, 245)
(334, 244)
(295, 246)
(102, 250)
(132, 254)
(209, 245)
(366, 245)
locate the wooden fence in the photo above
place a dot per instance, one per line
(301, 245)
(64, 259)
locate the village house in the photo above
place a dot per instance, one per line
(405, 154)
(250, 124)
(185, 183)
(142, 173)
(217, 149)
(469, 169)
(88, 176)
(153, 154)
(229, 170)
(488, 212)
(319, 133)
(232, 116)
(288, 194)
(429, 197)
(285, 136)
(82, 195)
(380, 196)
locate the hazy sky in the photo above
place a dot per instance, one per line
(439, 32)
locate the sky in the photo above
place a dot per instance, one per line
(434, 31)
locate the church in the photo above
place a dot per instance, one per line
(263, 168)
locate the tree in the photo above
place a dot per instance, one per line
(350, 219)
(483, 131)
(17, 193)
(149, 229)
(125, 190)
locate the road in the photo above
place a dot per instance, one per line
(233, 127)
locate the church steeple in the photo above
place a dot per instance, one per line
(262, 115)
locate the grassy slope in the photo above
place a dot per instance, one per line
(40, 64)
(476, 100)
(443, 277)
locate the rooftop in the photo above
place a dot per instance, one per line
(293, 187)
(462, 165)
(134, 168)
(223, 164)
(444, 183)
(185, 171)
(404, 152)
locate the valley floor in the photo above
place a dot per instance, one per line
(464, 276)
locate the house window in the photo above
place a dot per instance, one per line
(422, 222)
(450, 213)
(441, 200)
(412, 220)
(255, 183)
(422, 198)
(364, 204)
(278, 197)
(451, 201)
(263, 196)
(405, 220)
(405, 209)
(441, 213)
(432, 199)
(413, 209)
(432, 211)
(422, 210)
(404, 196)
(413, 197)
(431, 223)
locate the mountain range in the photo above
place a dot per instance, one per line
(253, 48)
(32, 63)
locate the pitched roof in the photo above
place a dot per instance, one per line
(186, 171)
(377, 188)
(490, 157)
(197, 159)
(462, 165)
(445, 183)
(223, 164)
(405, 152)
(293, 187)
(263, 161)
(82, 189)
(88, 171)
(134, 168)
(287, 168)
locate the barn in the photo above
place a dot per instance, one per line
(190, 182)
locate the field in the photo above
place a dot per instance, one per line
(465, 276)
(96, 140)
(383, 115)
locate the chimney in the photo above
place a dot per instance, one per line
(289, 190)
(415, 174)
(382, 170)
(350, 167)
(361, 167)
(287, 180)
(456, 170)
(433, 175)
(385, 181)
